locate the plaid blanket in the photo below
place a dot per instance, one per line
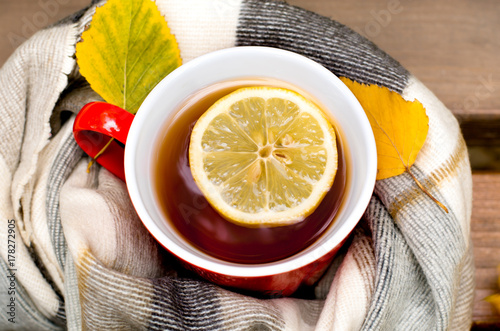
(79, 257)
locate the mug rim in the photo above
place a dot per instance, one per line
(218, 266)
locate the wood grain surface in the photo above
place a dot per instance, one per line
(452, 46)
(485, 228)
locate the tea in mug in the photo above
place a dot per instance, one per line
(185, 206)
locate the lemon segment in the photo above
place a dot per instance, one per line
(263, 156)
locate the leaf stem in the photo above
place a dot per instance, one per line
(99, 154)
(425, 191)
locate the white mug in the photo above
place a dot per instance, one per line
(282, 276)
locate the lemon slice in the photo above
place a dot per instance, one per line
(263, 156)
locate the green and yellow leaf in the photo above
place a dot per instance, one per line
(126, 51)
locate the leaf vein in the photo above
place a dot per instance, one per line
(414, 140)
(159, 54)
(392, 143)
(144, 49)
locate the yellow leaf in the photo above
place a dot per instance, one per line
(126, 51)
(400, 128)
(494, 299)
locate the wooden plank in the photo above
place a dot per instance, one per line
(20, 19)
(487, 239)
(485, 226)
(480, 129)
(452, 46)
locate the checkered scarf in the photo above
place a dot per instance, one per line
(83, 259)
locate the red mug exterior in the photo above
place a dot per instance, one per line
(98, 122)
(282, 284)
(95, 125)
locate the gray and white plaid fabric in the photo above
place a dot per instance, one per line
(83, 259)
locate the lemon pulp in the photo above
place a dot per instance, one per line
(263, 156)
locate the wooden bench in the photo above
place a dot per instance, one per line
(452, 46)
